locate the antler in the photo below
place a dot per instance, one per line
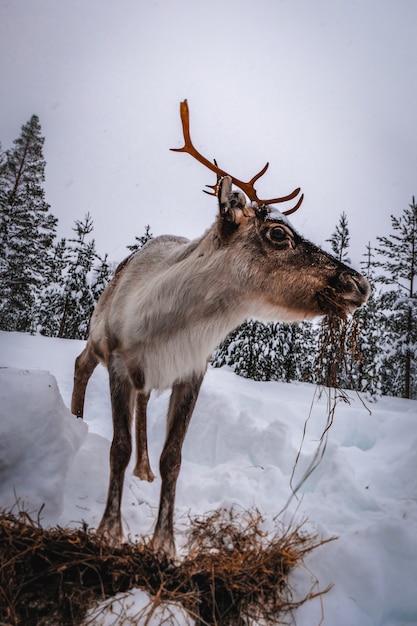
(248, 188)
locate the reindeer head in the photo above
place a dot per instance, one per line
(294, 278)
(286, 276)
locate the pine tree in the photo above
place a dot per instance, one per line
(79, 299)
(27, 228)
(51, 300)
(102, 276)
(222, 355)
(243, 355)
(79, 278)
(398, 252)
(368, 346)
(140, 241)
(273, 351)
(3, 222)
(340, 240)
(246, 351)
(293, 348)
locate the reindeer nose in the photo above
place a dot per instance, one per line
(357, 285)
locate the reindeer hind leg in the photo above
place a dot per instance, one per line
(85, 365)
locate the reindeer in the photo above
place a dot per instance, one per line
(173, 301)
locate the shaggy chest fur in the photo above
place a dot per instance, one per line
(165, 318)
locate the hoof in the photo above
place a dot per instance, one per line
(110, 533)
(144, 473)
(164, 548)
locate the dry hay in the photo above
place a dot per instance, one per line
(338, 348)
(232, 572)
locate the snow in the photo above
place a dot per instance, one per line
(241, 448)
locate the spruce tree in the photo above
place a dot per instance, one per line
(78, 279)
(398, 260)
(27, 228)
(246, 351)
(75, 284)
(368, 345)
(140, 241)
(78, 296)
(102, 276)
(340, 240)
(52, 297)
(224, 353)
(3, 222)
(273, 351)
(293, 347)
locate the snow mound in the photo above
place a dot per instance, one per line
(38, 441)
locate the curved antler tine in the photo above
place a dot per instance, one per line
(214, 187)
(258, 175)
(211, 193)
(188, 146)
(290, 196)
(297, 206)
(185, 120)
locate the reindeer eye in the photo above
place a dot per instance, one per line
(277, 234)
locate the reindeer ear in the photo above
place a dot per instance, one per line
(231, 203)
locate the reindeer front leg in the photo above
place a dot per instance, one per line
(181, 405)
(121, 448)
(142, 467)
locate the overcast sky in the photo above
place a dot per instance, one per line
(325, 90)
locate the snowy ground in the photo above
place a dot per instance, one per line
(240, 450)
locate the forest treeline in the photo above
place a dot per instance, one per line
(50, 286)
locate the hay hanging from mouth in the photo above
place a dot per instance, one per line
(232, 572)
(338, 350)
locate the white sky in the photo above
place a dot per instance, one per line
(325, 91)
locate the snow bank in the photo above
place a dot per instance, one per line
(38, 442)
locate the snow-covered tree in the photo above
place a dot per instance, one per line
(80, 277)
(3, 221)
(27, 228)
(78, 296)
(102, 275)
(273, 351)
(340, 240)
(246, 351)
(293, 347)
(50, 303)
(368, 345)
(398, 261)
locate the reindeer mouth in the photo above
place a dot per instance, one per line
(353, 305)
(348, 292)
(331, 303)
(360, 290)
